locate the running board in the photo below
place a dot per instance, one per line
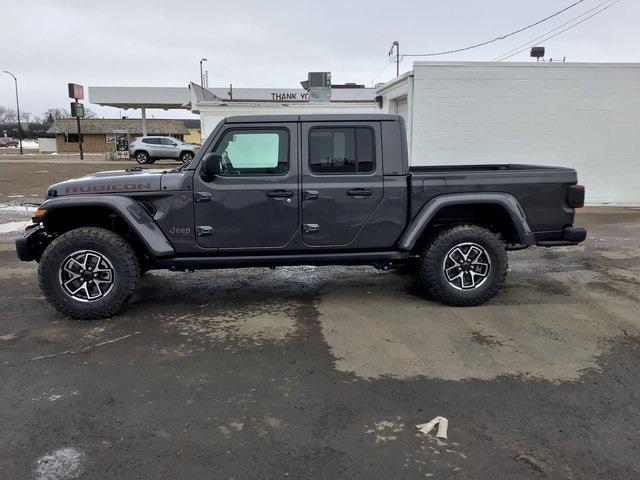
(245, 261)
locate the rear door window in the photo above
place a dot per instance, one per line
(341, 150)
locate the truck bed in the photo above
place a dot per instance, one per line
(484, 168)
(540, 190)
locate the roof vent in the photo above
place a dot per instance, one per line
(317, 80)
(318, 84)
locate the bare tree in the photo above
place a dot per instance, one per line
(8, 115)
(52, 114)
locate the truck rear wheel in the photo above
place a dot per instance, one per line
(89, 273)
(464, 265)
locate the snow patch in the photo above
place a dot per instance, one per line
(7, 207)
(13, 226)
(62, 464)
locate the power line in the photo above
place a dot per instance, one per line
(501, 37)
(562, 31)
(536, 39)
(550, 31)
(388, 63)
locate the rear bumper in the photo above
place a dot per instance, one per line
(565, 237)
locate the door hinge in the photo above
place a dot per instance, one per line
(204, 230)
(311, 228)
(203, 197)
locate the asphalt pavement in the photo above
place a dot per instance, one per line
(324, 372)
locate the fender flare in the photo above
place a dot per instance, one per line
(413, 232)
(129, 209)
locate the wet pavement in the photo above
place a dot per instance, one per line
(324, 372)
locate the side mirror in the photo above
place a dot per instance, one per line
(210, 165)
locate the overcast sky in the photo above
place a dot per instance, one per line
(274, 43)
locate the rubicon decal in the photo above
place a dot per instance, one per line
(117, 187)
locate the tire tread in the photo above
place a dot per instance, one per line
(48, 271)
(432, 257)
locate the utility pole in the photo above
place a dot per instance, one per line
(396, 44)
(201, 75)
(15, 80)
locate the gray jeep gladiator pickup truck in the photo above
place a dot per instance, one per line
(278, 190)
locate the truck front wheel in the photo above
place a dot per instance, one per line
(464, 265)
(89, 273)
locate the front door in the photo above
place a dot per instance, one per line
(169, 148)
(342, 181)
(253, 203)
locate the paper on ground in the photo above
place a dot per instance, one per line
(442, 423)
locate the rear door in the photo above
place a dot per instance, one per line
(253, 203)
(342, 180)
(151, 145)
(169, 147)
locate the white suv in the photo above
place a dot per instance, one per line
(150, 149)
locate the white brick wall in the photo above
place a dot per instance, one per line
(585, 116)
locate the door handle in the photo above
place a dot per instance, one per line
(203, 197)
(279, 194)
(359, 192)
(204, 230)
(311, 195)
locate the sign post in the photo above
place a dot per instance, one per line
(77, 109)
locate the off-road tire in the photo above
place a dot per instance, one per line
(141, 157)
(433, 258)
(126, 271)
(186, 157)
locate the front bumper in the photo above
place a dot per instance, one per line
(562, 238)
(32, 242)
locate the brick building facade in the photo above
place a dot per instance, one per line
(98, 134)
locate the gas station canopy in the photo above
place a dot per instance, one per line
(140, 97)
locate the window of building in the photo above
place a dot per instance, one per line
(71, 138)
(341, 150)
(254, 152)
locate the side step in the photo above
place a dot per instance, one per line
(245, 261)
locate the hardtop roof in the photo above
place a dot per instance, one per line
(324, 117)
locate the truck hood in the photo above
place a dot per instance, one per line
(113, 181)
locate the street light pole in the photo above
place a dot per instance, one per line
(201, 77)
(396, 44)
(15, 80)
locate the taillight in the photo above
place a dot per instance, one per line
(575, 197)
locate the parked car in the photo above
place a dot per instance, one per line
(297, 190)
(150, 149)
(8, 142)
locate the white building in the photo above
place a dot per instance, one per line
(214, 104)
(581, 115)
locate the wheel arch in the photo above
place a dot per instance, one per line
(122, 215)
(502, 210)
